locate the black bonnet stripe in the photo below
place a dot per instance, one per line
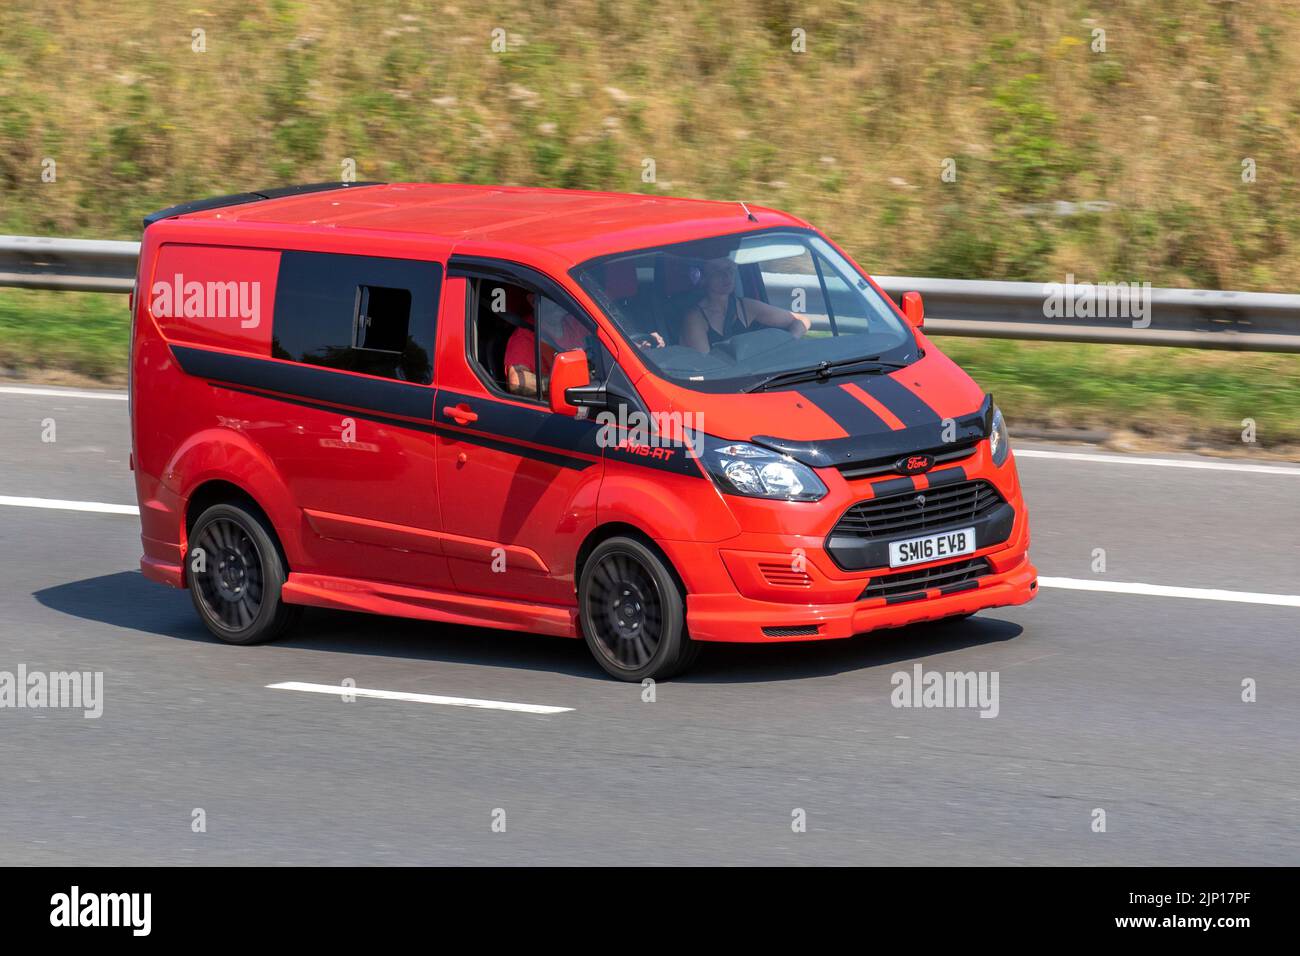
(946, 476)
(907, 407)
(894, 486)
(847, 412)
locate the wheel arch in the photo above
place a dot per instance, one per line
(622, 529)
(215, 491)
(219, 461)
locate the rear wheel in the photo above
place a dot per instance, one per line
(633, 613)
(235, 576)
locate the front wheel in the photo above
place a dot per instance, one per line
(633, 614)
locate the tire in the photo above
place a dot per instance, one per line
(633, 613)
(237, 594)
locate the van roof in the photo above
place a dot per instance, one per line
(574, 224)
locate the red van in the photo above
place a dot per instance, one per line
(649, 422)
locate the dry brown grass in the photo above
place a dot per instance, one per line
(850, 134)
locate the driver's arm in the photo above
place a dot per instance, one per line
(770, 315)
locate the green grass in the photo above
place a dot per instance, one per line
(81, 332)
(1168, 394)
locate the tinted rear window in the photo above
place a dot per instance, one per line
(358, 313)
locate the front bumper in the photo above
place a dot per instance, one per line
(750, 588)
(736, 619)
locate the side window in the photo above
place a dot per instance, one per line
(506, 346)
(357, 313)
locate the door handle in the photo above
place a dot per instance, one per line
(462, 413)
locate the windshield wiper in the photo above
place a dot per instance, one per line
(823, 371)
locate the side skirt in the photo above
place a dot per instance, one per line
(377, 597)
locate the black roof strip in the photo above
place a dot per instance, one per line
(238, 199)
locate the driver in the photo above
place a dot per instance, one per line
(722, 313)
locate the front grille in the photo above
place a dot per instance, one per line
(918, 582)
(896, 516)
(852, 470)
(794, 630)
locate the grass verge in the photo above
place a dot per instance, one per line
(46, 333)
(1170, 397)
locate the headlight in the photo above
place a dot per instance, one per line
(999, 442)
(742, 469)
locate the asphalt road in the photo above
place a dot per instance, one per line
(1130, 703)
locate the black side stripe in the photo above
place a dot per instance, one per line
(523, 451)
(428, 427)
(540, 426)
(846, 411)
(959, 586)
(308, 381)
(537, 454)
(536, 425)
(369, 399)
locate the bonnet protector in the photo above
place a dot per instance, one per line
(885, 445)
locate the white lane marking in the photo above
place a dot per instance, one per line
(419, 698)
(1159, 462)
(1163, 590)
(63, 393)
(59, 505)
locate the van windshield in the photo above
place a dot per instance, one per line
(747, 311)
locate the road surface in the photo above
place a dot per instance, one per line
(1125, 702)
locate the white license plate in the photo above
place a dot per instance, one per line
(931, 547)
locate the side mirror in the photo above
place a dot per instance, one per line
(569, 371)
(913, 309)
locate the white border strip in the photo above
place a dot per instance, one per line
(58, 505)
(1200, 463)
(1163, 590)
(419, 698)
(62, 393)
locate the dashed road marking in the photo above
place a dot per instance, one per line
(1200, 463)
(105, 395)
(419, 698)
(58, 504)
(1164, 590)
